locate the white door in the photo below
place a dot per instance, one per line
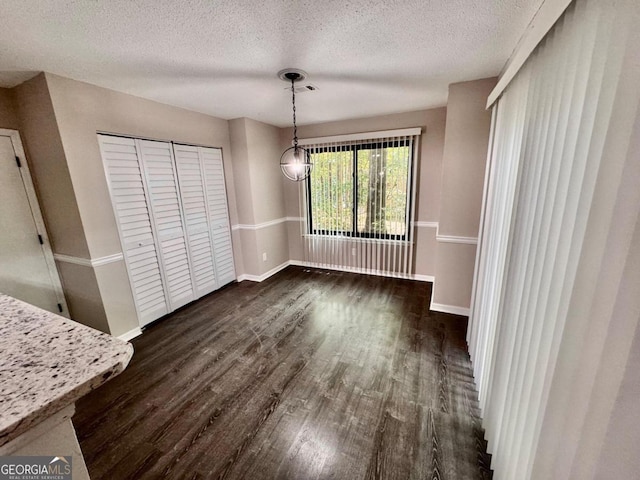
(166, 215)
(27, 268)
(218, 214)
(129, 198)
(194, 204)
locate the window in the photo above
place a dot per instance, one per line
(361, 190)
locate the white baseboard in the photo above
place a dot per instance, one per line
(131, 334)
(264, 276)
(299, 263)
(440, 307)
(424, 278)
(336, 268)
(363, 271)
(443, 308)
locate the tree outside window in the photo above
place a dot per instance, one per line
(360, 190)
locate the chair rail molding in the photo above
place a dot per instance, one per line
(89, 262)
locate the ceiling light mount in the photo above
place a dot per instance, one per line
(295, 162)
(292, 74)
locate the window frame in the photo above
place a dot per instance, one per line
(354, 148)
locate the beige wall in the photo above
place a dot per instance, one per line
(242, 179)
(61, 117)
(432, 123)
(81, 110)
(619, 455)
(465, 156)
(463, 166)
(48, 164)
(273, 241)
(455, 264)
(86, 304)
(256, 149)
(8, 113)
(263, 143)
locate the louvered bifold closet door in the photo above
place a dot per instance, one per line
(129, 198)
(218, 213)
(194, 204)
(164, 196)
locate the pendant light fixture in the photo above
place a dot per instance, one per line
(295, 161)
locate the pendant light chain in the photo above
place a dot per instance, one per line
(295, 161)
(293, 101)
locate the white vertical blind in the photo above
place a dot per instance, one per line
(552, 143)
(362, 220)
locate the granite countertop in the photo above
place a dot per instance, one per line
(48, 362)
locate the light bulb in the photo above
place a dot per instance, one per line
(295, 163)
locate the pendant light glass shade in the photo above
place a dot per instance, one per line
(295, 163)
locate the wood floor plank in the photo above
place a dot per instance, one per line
(310, 374)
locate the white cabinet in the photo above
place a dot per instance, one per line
(171, 208)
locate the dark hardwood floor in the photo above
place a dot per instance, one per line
(310, 374)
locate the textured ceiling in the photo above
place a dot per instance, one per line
(367, 57)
